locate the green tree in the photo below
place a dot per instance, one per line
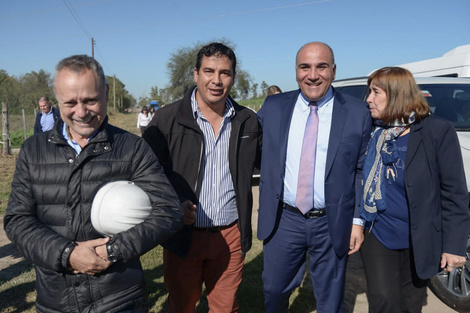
(143, 101)
(33, 86)
(119, 98)
(155, 95)
(165, 94)
(243, 83)
(254, 90)
(181, 70)
(264, 89)
(9, 91)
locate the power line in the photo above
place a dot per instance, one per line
(82, 26)
(77, 18)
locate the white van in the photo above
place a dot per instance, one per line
(455, 63)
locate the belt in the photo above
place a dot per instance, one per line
(215, 229)
(313, 213)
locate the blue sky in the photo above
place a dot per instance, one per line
(134, 39)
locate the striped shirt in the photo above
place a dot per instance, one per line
(217, 204)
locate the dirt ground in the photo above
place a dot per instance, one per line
(11, 263)
(9, 256)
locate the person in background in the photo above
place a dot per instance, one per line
(57, 176)
(152, 112)
(209, 146)
(415, 199)
(272, 90)
(143, 119)
(314, 141)
(46, 118)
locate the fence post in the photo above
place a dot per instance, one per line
(6, 129)
(24, 124)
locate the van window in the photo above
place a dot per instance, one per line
(449, 101)
(357, 91)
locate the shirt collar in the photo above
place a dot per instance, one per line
(72, 142)
(326, 98)
(229, 109)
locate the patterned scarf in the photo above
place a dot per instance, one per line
(380, 166)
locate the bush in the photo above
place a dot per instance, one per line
(17, 138)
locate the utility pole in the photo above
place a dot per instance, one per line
(92, 47)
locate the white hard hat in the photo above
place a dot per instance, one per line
(118, 206)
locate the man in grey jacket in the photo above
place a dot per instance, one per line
(57, 176)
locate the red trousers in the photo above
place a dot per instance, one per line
(214, 259)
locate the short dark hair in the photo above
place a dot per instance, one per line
(403, 94)
(80, 62)
(273, 90)
(216, 49)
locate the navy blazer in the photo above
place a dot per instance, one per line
(350, 132)
(437, 194)
(37, 124)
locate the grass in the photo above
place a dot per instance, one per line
(255, 104)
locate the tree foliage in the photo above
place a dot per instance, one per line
(254, 90)
(119, 98)
(181, 70)
(34, 86)
(24, 92)
(243, 82)
(155, 95)
(9, 89)
(143, 101)
(264, 89)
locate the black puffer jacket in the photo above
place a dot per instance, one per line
(49, 210)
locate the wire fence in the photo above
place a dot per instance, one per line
(16, 127)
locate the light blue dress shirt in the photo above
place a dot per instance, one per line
(72, 142)
(47, 121)
(294, 147)
(217, 202)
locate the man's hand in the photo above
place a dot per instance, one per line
(357, 237)
(451, 261)
(84, 258)
(102, 252)
(189, 210)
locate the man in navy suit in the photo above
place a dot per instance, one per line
(326, 232)
(46, 118)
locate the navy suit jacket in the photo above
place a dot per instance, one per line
(437, 194)
(350, 132)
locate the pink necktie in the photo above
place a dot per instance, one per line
(304, 200)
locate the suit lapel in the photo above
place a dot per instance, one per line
(340, 113)
(286, 111)
(413, 143)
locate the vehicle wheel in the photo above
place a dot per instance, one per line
(454, 288)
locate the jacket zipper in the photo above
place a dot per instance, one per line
(199, 168)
